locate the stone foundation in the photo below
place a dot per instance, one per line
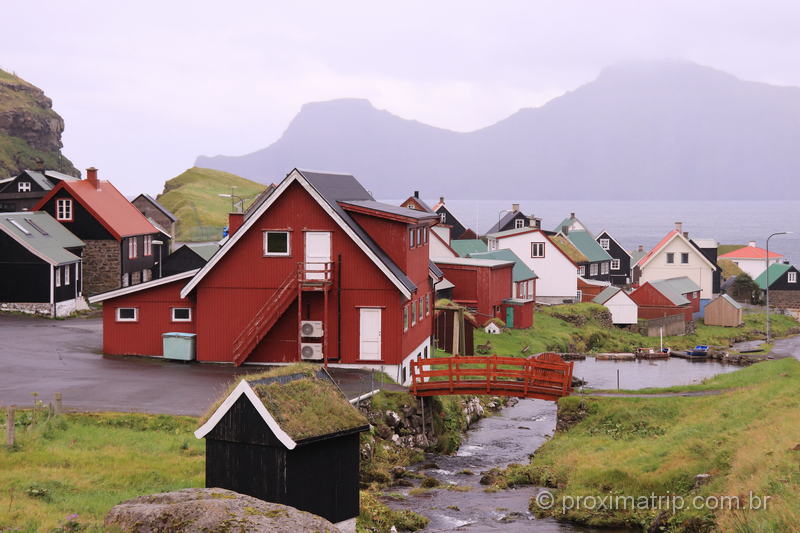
(63, 309)
(784, 299)
(102, 268)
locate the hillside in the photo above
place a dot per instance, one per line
(193, 197)
(651, 130)
(30, 131)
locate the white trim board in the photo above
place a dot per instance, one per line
(294, 175)
(687, 242)
(244, 388)
(141, 286)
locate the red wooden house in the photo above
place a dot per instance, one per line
(319, 271)
(486, 286)
(667, 297)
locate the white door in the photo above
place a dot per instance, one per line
(318, 252)
(370, 334)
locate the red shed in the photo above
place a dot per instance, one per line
(318, 271)
(480, 284)
(667, 297)
(590, 288)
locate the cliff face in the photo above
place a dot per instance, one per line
(30, 131)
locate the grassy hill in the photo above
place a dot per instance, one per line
(193, 197)
(30, 131)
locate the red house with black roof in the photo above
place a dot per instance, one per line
(119, 239)
(320, 271)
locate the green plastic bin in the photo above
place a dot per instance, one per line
(179, 346)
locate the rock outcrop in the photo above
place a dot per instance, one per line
(30, 131)
(204, 510)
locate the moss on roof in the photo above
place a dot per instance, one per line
(569, 249)
(309, 407)
(444, 303)
(729, 268)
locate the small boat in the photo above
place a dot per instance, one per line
(650, 353)
(615, 357)
(699, 352)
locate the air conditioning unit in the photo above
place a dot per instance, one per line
(311, 328)
(311, 351)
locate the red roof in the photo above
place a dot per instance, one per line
(668, 237)
(107, 205)
(750, 252)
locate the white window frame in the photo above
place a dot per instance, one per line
(427, 305)
(670, 258)
(64, 209)
(684, 255)
(582, 270)
(413, 313)
(288, 251)
(792, 277)
(174, 319)
(605, 244)
(421, 312)
(135, 314)
(534, 246)
(593, 269)
(579, 295)
(66, 274)
(24, 186)
(442, 218)
(604, 267)
(412, 236)
(519, 223)
(133, 248)
(615, 264)
(148, 245)
(58, 276)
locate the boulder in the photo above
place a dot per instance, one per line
(203, 510)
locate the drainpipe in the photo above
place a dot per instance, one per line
(52, 292)
(339, 308)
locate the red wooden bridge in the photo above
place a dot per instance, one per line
(546, 376)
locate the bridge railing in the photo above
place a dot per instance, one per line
(545, 376)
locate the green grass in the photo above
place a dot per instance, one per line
(746, 438)
(85, 464)
(193, 197)
(576, 328)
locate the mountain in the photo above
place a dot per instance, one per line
(194, 198)
(667, 130)
(30, 131)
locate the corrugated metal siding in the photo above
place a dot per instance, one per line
(653, 304)
(155, 317)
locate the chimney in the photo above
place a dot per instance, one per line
(515, 207)
(686, 234)
(751, 244)
(572, 215)
(641, 248)
(91, 177)
(679, 227)
(441, 199)
(235, 221)
(416, 194)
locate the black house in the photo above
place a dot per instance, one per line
(620, 259)
(40, 265)
(709, 247)
(515, 219)
(290, 439)
(447, 218)
(23, 191)
(186, 257)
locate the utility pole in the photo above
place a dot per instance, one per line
(766, 274)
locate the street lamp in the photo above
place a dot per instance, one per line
(766, 273)
(160, 246)
(232, 196)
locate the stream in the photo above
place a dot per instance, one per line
(510, 437)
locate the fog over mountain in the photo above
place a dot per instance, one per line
(657, 130)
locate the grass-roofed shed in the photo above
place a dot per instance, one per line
(290, 437)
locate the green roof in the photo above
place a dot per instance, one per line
(468, 246)
(583, 241)
(606, 294)
(775, 271)
(204, 250)
(49, 244)
(675, 288)
(636, 255)
(521, 271)
(569, 249)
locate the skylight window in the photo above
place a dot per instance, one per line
(18, 226)
(36, 226)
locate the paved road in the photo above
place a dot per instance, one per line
(788, 347)
(47, 356)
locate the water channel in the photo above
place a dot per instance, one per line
(510, 437)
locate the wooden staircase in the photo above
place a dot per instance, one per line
(264, 319)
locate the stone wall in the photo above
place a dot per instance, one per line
(102, 268)
(30, 308)
(673, 325)
(784, 299)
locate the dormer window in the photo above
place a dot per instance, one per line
(442, 218)
(519, 223)
(792, 277)
(24, 186)
(64, 209)
(604, 244)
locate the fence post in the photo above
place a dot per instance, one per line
(57, 404)
(10, 426)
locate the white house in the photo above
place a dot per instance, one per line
(623, 309)
(558, 274)
(752, 259)
(438, 247)
(674, 257)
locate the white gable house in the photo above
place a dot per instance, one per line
(558, 274)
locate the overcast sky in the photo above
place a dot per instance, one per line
(146, 88)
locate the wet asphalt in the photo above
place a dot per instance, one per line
(42, 356)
